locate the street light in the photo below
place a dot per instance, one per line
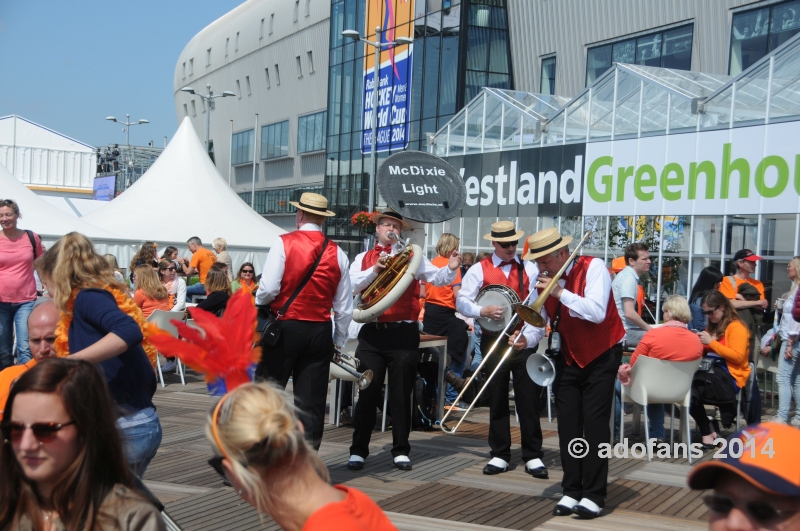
(208, 98)
(127, 123)
(379, 47)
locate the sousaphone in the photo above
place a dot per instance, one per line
(420, 187)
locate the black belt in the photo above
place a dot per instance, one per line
(386, 326)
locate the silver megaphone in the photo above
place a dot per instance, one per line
(541, 369)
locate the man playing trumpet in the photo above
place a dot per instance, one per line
(391, 342)
(505, 268)
(581, 309)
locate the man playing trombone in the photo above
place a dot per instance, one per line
(581, 309)
(504, 267)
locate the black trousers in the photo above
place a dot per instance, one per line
(526, 400)
(381, 349)
(303, 352)
(715, 388)
(584, 399)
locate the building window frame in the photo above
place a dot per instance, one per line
(275, 140)
(312, 140)
(546, 61)
(772, 41)
(243, 147)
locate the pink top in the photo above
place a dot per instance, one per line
(16, 269)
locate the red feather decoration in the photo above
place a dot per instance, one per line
(223, 349)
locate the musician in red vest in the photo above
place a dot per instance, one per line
(305, 347)
(391, 342)
(581, 309)
(506, 268)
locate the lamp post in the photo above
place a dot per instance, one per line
(127, 123)
(208, 98)
(379, 47)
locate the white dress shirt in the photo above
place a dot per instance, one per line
(473, 281)
(270, 285)
(427, 272)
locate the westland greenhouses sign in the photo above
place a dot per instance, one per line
(746, 170)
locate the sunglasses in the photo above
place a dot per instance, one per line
(169, 268)
(506, 245)
(249, 271)
(44, 432)
(761, 512)
(708, 312)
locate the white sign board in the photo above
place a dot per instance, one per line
(746, 170)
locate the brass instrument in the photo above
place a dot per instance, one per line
(349, 364)
(533, 314)
(395, 267)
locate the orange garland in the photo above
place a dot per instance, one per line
(125, 304)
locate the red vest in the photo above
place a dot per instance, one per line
(315, 301)
(407, 306)
(583, 341)
(495, 275)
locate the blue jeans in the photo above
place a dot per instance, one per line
(14, 315)
(141, 443)
(476, 348)
(196, 289)
(458, 368)
(655, 416)
(788, 379)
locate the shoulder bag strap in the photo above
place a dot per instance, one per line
(308, 276)
(33, 242)
(733, 282)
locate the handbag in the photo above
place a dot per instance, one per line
(268, 322)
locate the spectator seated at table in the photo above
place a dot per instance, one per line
(671, 341)
(201, 262)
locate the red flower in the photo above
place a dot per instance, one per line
(224, 348)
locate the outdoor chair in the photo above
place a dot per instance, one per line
(655, 381)
(162, 319)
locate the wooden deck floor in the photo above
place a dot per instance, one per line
(446, 489)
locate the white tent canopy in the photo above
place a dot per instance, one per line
(183, 195)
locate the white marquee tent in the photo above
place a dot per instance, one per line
(183, 195)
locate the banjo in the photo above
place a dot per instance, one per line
(498, 295)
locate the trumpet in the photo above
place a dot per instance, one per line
(349, 364)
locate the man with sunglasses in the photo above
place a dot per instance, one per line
(506, 268)
(42, 323)
(391, 343)
(760, 490)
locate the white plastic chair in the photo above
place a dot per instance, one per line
(655, 381)
(162, 319)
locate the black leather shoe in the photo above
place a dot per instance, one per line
(403, 465)
(561, 510)
(355, 465)
(491, 470)
(585, 512)
(538, 472)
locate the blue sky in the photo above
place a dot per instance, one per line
(67, 65)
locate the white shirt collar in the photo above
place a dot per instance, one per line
(632, 269)
(311, 227)
(496, 259)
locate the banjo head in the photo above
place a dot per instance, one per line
(497, 295)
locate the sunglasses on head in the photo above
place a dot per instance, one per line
(506, 245)
(708, 312)
(760, 511)
(44, 432)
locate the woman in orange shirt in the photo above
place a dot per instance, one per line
(261, 450)
(150, 293)
(726, 342)
(440, 314)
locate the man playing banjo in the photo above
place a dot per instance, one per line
(505, 269)
(391, 342)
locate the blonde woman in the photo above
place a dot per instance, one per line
(150, 294)
(218, 291)
(102, 325)
(788, 376)
(260, 448)
(220, 247)
(112, 261)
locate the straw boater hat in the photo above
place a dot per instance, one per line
(389, 213)
(504, 231)
(313, 203)
(545, 241)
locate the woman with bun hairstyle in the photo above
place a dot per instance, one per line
(262, 451)
(102, 325)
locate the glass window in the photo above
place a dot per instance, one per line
(624, 52)
(598, 60)
(548, 76)
(478, 52)
(309, 132)
(243, 145)
(749, 39)
(677, 48)
(785, 23)
(449, 75)
(275, 140)
(431, 80)
(648, 50)
(498, 56)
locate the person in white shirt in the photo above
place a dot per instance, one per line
(504, 267)
(390, 343)
(306, 344)
(625, 286)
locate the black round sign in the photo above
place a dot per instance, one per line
(421, 186)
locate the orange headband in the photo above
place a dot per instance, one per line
(214, 431)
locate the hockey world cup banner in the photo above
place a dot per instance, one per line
(396, 19)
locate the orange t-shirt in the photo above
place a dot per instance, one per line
(7, 378)
(202, 260)
(442, 295)
(727, 289)
(357, 512)
(149, 304)
(673, 342)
